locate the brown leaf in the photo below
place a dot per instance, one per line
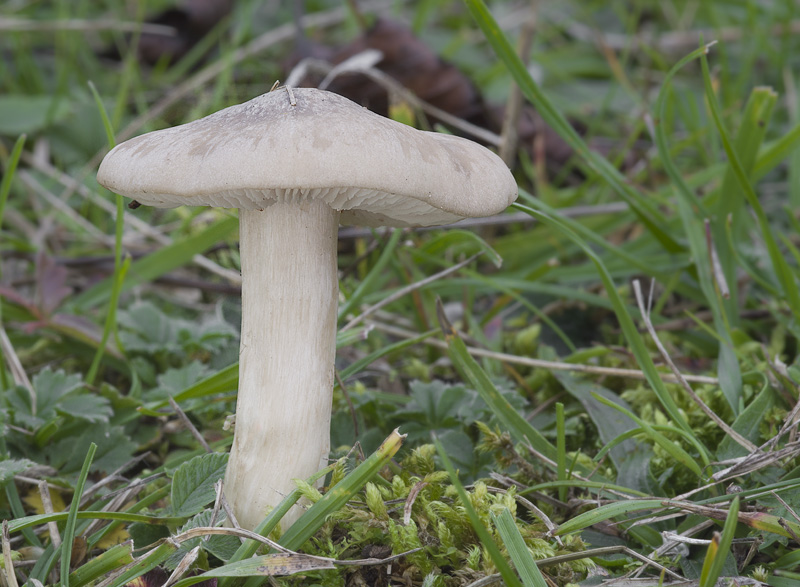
(412, 63)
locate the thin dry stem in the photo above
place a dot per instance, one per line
(47, 506)
(680, 378)
(183, 566)
(407, 290)
(16, 368)
(7, 573)
(18, 25)
(189, 426)
(539, 363)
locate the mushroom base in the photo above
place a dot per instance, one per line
(289, 310)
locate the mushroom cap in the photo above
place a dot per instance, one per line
(311, 144)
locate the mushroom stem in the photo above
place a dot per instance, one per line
(288, 345)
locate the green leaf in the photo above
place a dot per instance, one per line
(747, 424)
(114, 447)
(50, 388)
(672, 448)
(193, 483)
(629, 455)
(92, 408)
(72, 517)
(221, 546)
(517, 549)
(11, 467)
(720, 548)
(29, 113)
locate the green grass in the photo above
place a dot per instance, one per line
(507, 469)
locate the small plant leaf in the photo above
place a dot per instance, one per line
(11, 467)
(193, 483)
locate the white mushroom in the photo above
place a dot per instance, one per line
(296, 163)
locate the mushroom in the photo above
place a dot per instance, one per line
(297, 162)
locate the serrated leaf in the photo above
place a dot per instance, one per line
(148, 329)
(173, 381)
(92, 408)
(51, 386)
(114, 448)
(11, 467)
(221, 546)
(193, 483)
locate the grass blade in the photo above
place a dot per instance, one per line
(486, 539)
(8, 173)
(596, 163)
(341, 493)
(606, 512)
(627, 325)
(518, 551)
(719, 548)
(120, 268)
(468, 368)
(69, 529)
(780, 266)
(158, 263)
(372, 277)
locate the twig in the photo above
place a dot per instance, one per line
(47, 506)
(189, 426)
(786, 505)
(116, 475)
(645, 312)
